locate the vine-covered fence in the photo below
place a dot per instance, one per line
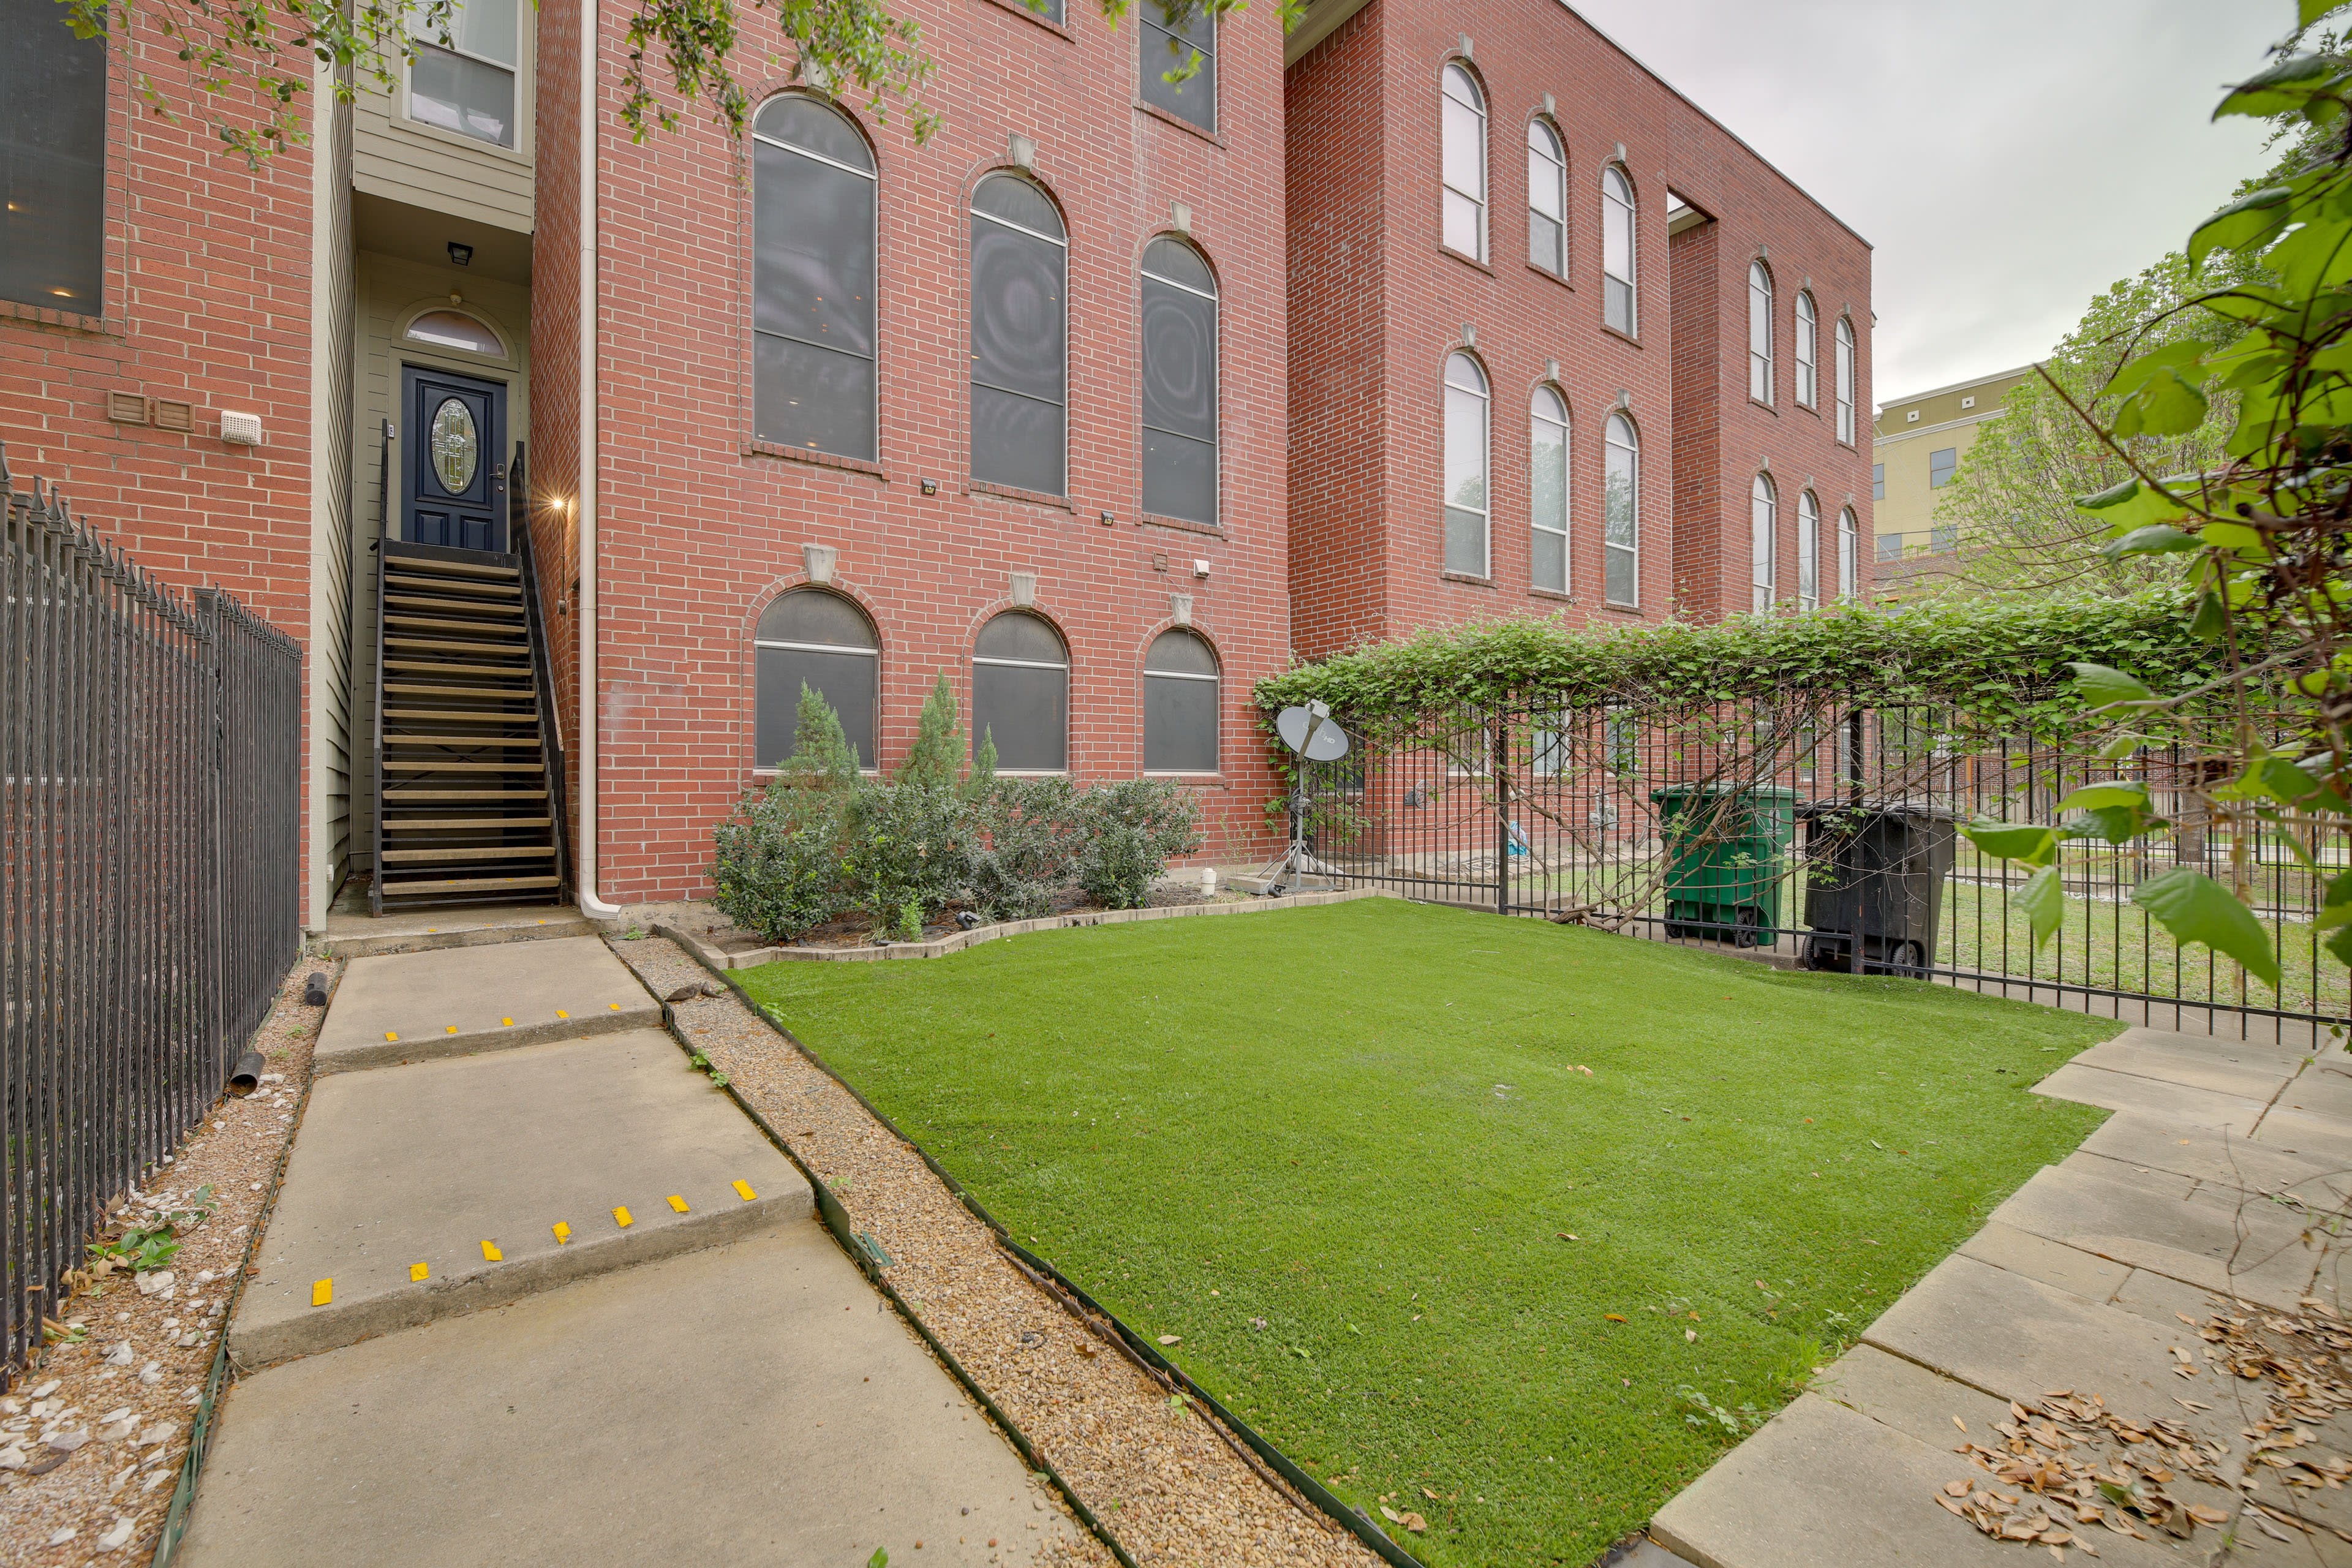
(149, 821)
(1702, 786)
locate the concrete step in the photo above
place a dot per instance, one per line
(744, 1404)
(353, 934)
(403, 1183)
(417, 1006)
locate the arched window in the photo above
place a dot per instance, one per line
(1760, 332)
(814, 638)
(1466, 466)
(1462, 154)
(1621, 512)
(1809, 350)
(1547, 490)
(1846, 380)
(813, 379)
(1176, 37)
(1808, 551)
(1849, 551)
(1547, 199)
(1021, 694)
(1180, 383)
(1180, 705)
(1763, 540)
(455, 330)
(1020, 336)
(1617, 251)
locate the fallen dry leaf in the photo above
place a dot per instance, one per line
(1614, 1317)
(1960, 1424)
(1391, 1514)
(1171, 1339)
(1413, 1522)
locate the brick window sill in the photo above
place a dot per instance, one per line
(1181, 525)
(820, 459)
(72, 321)
(1032, 18)
(1470, 577)
(1551, 594)
(1755, 402)
(1616, 608)
(1007, 492)
(1550, 276)
(1621, 337)
(1214, 138)
(1470, 261)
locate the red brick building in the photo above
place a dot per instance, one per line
(1521, 271)
(1104, 402)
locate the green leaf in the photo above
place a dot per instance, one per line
(2111, 792)
(2028, 841)
(2156, 539)
(2248, 224)
(881, 1558)
(2280, 89)
(2114, 824)
(2044, 902)
(2341, 944)
(2195, 908)
(2132, 505)
(2308, 13)
(2166, 405)
(2104, 688)
(2211, 620)
(2113, 495)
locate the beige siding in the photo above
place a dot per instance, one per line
(329, 672)
(396, 157)
(390, 291)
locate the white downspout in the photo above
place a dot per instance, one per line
(584, 869)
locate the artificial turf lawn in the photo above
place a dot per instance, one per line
(1367, 1125)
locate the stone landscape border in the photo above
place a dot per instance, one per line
(1135, 1346)
(718, 963)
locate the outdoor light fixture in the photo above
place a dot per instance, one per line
(460, 255)
(930, 487)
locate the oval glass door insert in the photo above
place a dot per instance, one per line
(457, 446)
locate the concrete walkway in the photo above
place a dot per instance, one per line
(2079, 1281)
(536, 1296)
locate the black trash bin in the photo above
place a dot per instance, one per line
(1876, 873)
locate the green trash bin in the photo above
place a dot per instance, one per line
(1726, 846)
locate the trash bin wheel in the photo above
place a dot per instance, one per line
(1824, 953)
(1744, 931)
(1908, 960)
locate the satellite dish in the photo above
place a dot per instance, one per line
(1310, 732)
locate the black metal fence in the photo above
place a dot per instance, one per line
(149, 814)
(1717, 827)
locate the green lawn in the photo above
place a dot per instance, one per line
(1367, 1125)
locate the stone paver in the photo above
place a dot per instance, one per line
(423, 1165)
(417, 1006)
(2130, 1091)
(2233, 1067)
(2215, 1158)
(2227, 1242)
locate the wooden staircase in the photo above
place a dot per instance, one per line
(470, 776)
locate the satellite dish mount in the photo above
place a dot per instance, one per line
(1308, 732)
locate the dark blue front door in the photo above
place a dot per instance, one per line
(456, 471)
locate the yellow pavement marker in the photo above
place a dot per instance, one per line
(617, 1007)
(510, 1022)
(743, 1190)
(418, 1271)
(322, 1291)
(453, 1028)
(558, 1012)
(562, 1232)
(390, 1035)
(678, 1203)
(490, 1252)
(622, 1217)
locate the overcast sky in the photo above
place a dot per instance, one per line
(2008, 159)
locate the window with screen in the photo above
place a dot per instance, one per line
(464, 81)
(52, 162)
(1878, 481)
(1940, 465)
(1808, 551)
(1809, 350)
(1617, 303)
(1620, 517)
(1849, 552)
(1466, 466)
(1180, 383)
(1763, 541)
(1179, 704)
(812, 638)
(1021, 694)
(1461, 156)
(1845, 378)
(1180, 39)
(1547, 199)
(1547, 490)
(814, 381)
(1020, 336)
(1760, 332)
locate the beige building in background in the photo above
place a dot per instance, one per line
(1914, 452)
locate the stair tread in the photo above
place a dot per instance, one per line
(441, 623)
(434, 600)
(403, 890)
(425, 566)
(500, 671)
(398, 799)
(467, 715)
(446, 646)
(459, 824)
(435, 765)
(399, 576)
(493, 852)
(531, 740)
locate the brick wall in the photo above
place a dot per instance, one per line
(1367, 467)
(699, 532)
(207, 302)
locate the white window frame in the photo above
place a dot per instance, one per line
(1763, 542)
(1619, 205)
(1633, 449)
(1760, 332)
(1809, 350)
(1565, 425)
(1150, 675)
(519, 69)
(1545, 148)
(1476, 102)
(1849, 551)
(1846, 358)
(1808, 551)
(1484, 392)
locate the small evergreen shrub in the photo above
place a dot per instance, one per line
(1036, 836)
(1133, 828)
(909, 846)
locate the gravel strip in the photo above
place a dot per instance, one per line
(1161, 1478)
(130, 1388)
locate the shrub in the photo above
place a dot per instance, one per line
(936, 758)
(909, 846)
(1133, 828)
(777, 869)
(1036, 836)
